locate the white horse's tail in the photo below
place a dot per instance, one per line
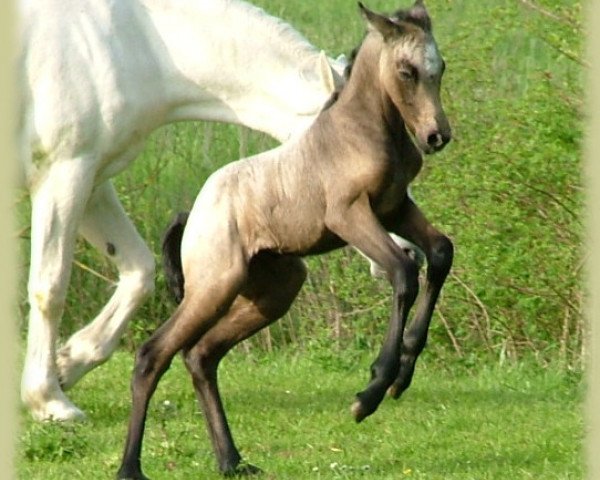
(171, 254)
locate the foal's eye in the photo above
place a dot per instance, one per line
(408, 73)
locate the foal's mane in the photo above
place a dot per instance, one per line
(415, 15)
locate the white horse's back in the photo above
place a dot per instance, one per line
(99, 76)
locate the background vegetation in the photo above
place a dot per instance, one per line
(507, 190)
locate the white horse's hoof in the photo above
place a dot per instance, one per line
(49, 403)
(72, 364)
(57, 410)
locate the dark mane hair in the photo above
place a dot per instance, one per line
(416, 15)
(347, 72)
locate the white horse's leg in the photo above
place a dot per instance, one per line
(58, 201)
(106, 226)
(412, 251)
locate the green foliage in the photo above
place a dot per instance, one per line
(507, 190)
(511, 182)
(54, 442)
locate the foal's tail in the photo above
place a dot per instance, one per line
(171, 250)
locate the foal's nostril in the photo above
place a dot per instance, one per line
(435, 140)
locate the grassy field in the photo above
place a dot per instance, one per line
(499, 389)
(290, 416)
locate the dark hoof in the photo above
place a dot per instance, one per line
(140, 476)
(395, 391)
(401, 384)
(131, 475)
(360, 409)
(367, 402)
(243, 470)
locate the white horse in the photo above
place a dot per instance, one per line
(97, 77)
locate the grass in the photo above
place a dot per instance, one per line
(290, 416)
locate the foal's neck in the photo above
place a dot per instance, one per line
(364, 100)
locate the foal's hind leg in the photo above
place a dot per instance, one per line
(439, 252)
(58, 201)
(200, 309)
(273, 283)
(106, 226)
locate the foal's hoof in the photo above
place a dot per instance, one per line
(400, 385)
(134, 477)
(365, 404)
(243, 470)
(394, 391)
(125, 474)
(359, 412)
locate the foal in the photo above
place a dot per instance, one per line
(344, 181)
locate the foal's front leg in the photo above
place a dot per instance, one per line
(439, 252)
(358, 226)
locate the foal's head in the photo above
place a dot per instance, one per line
(411, 69)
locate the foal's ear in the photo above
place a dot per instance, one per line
(381, 23)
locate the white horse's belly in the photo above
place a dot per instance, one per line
(90, 86)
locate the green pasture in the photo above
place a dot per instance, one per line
(290, 416)
(497, 393)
